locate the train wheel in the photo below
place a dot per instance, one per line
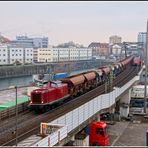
(46, 108)
(96, 144)
(37, 110)
(80, 93)
(43, 110)
(72, 97)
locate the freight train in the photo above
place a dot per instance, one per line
(55, 92)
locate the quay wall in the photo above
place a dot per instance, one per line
(27, 70)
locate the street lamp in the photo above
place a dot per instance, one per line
(16, 111)
(146, 65)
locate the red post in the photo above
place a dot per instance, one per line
(48, 141)
(59, 137)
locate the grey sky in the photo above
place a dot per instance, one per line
(81, 22)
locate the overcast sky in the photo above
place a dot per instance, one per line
(81, 22)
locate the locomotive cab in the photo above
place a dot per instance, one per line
(42, 98)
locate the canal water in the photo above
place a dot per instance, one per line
(25, 80)
(18, 81)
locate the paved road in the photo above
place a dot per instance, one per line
(128, 134)
(8, 95)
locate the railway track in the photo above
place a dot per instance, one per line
(30, 126)
(7, 124)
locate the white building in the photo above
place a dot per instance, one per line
(63, 54)
(142, 37)
(44, 55)
(11, 54)
(116, 49)
(36, 42)
(28, 55)
(3, 55)
(16, 54)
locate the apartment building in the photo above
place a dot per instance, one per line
(64, 54)
(9, 54)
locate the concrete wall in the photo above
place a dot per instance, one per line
(26, 70)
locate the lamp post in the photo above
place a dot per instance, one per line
(146, 65)
(16, 112)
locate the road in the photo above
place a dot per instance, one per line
(127, 133)
(8, 95)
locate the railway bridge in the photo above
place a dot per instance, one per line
(80, 117)
(72, 117)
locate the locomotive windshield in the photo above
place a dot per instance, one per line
(136, 58)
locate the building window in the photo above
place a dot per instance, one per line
(4, 60)
(3, 54)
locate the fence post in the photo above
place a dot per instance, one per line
(48, 141)
(58, 137)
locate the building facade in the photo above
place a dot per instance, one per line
(95, 46)
(4, 55)
(35, 55)
(44, 55)
(116, 49)
(99, 49)
(104, 49)
(142, 38)
(36, 42)
(115, 39)
(64, 54)
(11, 54)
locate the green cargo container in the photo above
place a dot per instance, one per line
(13, 102)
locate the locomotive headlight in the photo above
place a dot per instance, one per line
(42, 102)
(30, 101)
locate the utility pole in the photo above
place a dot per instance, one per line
(146, 65)
(16, 114)
(125, 49)
(111, 79)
